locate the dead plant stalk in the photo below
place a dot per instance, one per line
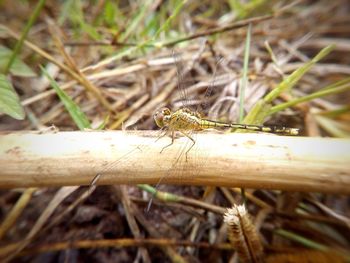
(236, 160)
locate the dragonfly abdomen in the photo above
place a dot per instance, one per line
(206, 124)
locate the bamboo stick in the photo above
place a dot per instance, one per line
(234, 160)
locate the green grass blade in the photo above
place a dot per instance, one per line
(164, 196)
(111, 11)
(263, 108)
(249, 8)
(9, 100)
(147, 43)
(293, 78)
(336, 112)
(337, 84)
(167, 23)
(257, 114)
(302, 240)
(28, 26)
(90, 30)
(244, 81)
(332, 127)
(136, 20)
(243, 86)
(237, 7)
(103, 124)
(75, 112)
(117, 56)
(318, 94)
(151, 24)
(73, 11)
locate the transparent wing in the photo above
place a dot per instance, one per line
(183, 82)
(183, 69)
(182, 72)
(205, 104)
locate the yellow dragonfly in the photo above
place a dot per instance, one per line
(186, 121)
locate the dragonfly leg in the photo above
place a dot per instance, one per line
(193, 143)
(172, 141)
(164, 131)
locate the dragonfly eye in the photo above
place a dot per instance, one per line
(161, 117)
(166, 112)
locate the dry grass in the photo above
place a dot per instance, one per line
(117, 64)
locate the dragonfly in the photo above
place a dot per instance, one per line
(186, 121)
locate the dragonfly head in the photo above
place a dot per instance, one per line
(162, 117)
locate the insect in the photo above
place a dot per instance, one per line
(186, 121)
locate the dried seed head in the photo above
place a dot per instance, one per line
(243, 235)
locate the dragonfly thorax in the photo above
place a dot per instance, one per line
(162, 117)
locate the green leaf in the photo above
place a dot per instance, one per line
(9, 100)
(18, 68)
(293, 78)
(75, 112)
